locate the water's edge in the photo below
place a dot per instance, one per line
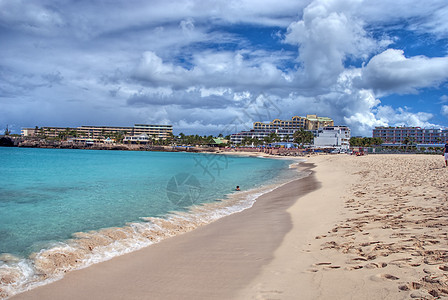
(88, 248)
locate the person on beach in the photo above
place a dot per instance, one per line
(445, 153)
(238, 187)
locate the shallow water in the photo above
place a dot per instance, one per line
(65, 209)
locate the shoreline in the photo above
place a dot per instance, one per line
(369, 227)
(189, 261)
(89, 248)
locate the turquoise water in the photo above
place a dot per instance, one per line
(46, 195)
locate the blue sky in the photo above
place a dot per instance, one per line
(211, 67)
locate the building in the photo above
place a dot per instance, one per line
(332, 137)
(314, 122)
(295, 123)
(137, 139)
(157, 131)
(29, 131)
(102, 132)
(46, 131)
(284, 129)
(260, 134)
(414, 135)
(97, 132)
(310, 122)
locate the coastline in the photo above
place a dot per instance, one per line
(213, 261)
(369, 227)
(88, 248)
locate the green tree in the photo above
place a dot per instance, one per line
(302, 137)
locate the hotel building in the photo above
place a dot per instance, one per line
(99, 132)
(283, 128)
(284, 134)
(416, 135)
(310, 122)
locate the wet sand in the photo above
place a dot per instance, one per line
(211, 262)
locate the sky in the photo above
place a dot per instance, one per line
(210, 67)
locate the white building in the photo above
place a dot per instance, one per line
(134, 139)
(333, 137)
(29, 131)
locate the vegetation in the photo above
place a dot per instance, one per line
(183, 139)
(302, 137)
(365, 141)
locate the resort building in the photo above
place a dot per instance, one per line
(29, 131)
(96, 132)
(102, 132)
(157, 131)
(332, 137)
(414, 135)
(310, 122)
(45, 131)
(137, 139)
(314, 122)
(260, 134)
(284, 129)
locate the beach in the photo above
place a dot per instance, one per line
(388, 238)
(369, 227)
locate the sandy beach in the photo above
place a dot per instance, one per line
(369, 227)
(388, 239)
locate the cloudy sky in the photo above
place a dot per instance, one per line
(216, 66)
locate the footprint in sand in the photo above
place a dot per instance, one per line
(390, 277)
(354, 268)
(444, 268)
(380, 277)
(328, 268)
(375, 265)
(410, 286)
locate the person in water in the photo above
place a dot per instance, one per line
(237, 188)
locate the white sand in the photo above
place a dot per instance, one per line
(388, 241)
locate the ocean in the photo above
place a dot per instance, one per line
(66, 209)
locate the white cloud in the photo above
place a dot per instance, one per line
(214, 92)
(327, 35)
(391, 71)
(402, 116)
(212, 70)
(444, 110)
(438, 22)
(29, 17)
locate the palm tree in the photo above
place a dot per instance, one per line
(267, 139)
(406, 141)
(302, 137)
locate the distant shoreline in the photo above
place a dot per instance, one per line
(44, 144)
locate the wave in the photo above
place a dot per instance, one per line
(87, 248)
